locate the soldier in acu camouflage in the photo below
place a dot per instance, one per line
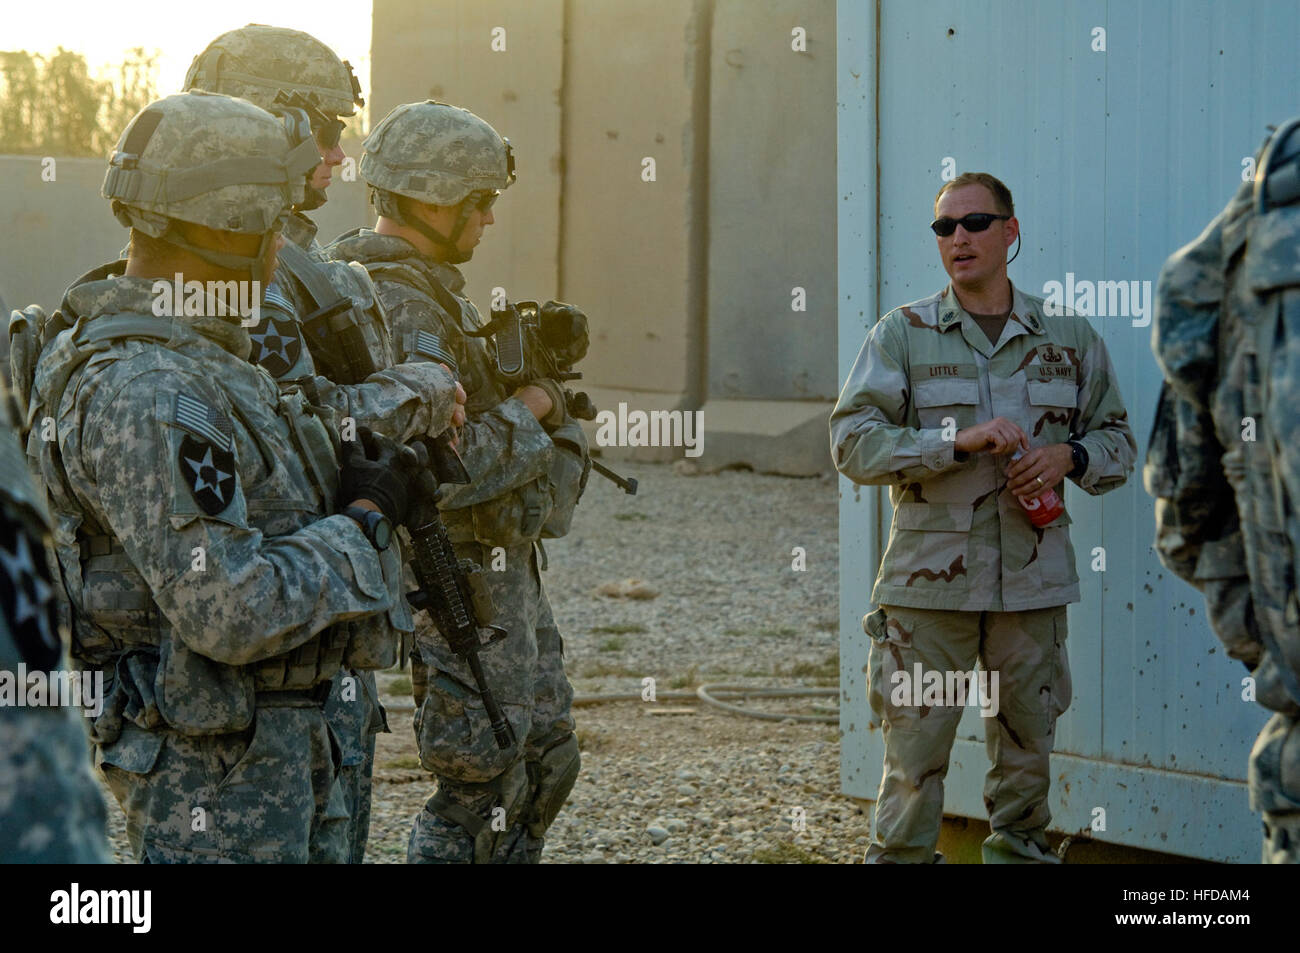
(51, 811)
(209, 573)
(1224, 458)
(944, 391)
(435, 171)
(275, 68)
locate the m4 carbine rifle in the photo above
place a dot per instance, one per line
(451, 589)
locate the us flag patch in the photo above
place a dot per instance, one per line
(274, 296)
(204, 421)
(431, 346)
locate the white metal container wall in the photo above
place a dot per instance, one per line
(1115, 158)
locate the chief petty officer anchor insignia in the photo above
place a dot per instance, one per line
(206, 463)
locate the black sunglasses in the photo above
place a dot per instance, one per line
(325, 129)
(484, 199)
(974, 222)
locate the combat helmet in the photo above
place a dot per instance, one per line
(439, 154)
(210, 160)
(274, 67)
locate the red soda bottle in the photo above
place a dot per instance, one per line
(1043, 509)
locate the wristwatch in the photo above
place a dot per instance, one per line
(1079, 456)
(374, 524)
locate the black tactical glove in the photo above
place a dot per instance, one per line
(564, 331)
(378, 469)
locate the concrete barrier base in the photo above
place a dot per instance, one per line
(788, 437)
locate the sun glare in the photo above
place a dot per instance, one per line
(103, 33)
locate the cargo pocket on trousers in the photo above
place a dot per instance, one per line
(455, 736)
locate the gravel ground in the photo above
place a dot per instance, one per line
(708, 562)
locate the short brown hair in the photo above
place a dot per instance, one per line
(1001, 194)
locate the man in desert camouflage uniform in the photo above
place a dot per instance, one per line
(1224, 460)
(274, 67)
(212, 576)
(51, 811)
(942, 392)
(435, 171)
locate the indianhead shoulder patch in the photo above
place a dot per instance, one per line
(26, 598)
(205, 457)
(276, 342)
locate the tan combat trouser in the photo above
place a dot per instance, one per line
(1027, 651)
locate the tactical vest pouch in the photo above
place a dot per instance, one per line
(348, 344)
(315, 441)
(514, 518)
(315, 661)
(115, 597)
(570, 467)
(373, 643)
(199, 696)
(376, 641)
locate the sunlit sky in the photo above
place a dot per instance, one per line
(104, 30)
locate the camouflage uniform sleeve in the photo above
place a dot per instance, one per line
(403, 402)
(503, 446)
(1198, 531)
(255, 596)
(869, 439)
(1100, 423)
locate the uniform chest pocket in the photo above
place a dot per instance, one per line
(1052, 407)
(939, 399)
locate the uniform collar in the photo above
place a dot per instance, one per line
(367, 245)
(1024, 311)
(126, 295)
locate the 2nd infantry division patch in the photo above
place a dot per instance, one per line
(207, 464)
(276, 345)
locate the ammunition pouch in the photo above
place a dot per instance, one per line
(158, 680)
(350, 343)
(317, 441)
(570, 467)
(514, 518)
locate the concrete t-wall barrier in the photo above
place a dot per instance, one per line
(502, 60)
(632, 245)
(687, 267)
(772, 249)
(58, 229)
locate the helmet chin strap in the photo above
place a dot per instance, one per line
(312, 198)
(448, 243)
(255, 265)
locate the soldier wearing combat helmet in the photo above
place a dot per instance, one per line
(435, 171)
(349, 359)
(220, 565)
